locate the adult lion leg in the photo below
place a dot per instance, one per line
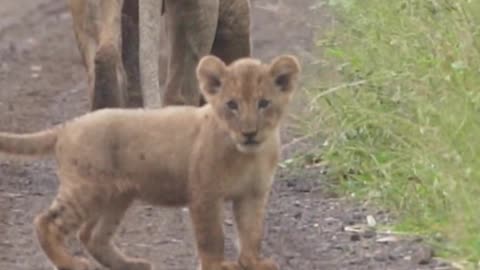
(191, 27)
(64, 217)
(249, 214)
(97, 27)
(86, 32)
(232, 39)
(100, 245)
(130, 51)
(110, 77)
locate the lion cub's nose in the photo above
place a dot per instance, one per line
(250, 136)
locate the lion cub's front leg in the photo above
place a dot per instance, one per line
(249, 212)
(206, 212)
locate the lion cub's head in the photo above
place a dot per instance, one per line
(249, 97)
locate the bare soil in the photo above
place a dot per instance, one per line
(42, 82)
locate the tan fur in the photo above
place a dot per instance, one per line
(98, 30)
(35, 144)
(198, 157)
(121, 43)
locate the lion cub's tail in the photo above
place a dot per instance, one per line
(29, 145)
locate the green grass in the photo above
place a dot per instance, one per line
(403, 120)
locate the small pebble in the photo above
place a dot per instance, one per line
(355, 237)
(423, 255)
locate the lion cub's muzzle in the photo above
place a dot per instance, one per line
(249, 142)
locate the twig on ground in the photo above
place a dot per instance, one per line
(336, 88)
(299, 139)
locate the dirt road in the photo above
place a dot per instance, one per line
(43, 83)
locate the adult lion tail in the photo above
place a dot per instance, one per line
(29, 145)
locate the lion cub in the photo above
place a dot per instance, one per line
(201, 157)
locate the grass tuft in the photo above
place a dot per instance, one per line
(403, 120)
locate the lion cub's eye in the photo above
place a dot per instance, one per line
(263, 103)
(232, 105)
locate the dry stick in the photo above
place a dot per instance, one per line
(150, 22)
(345, 85)
(339, 87)
(299, 139)
(296, 140)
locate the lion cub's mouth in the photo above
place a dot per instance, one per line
(251, 142)
(249, 146)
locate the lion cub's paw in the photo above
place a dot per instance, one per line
(229, 265)
(138, 264)
(266, 264)
(79, 263)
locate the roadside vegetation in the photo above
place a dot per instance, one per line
(401, 114)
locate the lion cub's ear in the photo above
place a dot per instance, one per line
(210, 73)
(284, 71)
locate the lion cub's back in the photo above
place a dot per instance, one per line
(106, 124)
(133, 141)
